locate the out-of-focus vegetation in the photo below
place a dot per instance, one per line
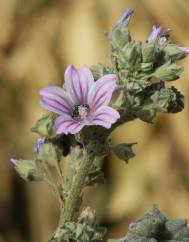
(38, 39)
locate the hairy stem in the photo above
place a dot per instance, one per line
(76, 189)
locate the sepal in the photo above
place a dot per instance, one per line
(118, 37)
(100, 70)
(149, 52)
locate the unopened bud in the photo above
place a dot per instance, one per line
(149, 52)
(174, 52)
(168, 72)
(44, 126)
(49, 153)
(28, 169)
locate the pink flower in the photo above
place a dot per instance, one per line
(81, 102)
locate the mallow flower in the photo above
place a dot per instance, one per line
(82, 101)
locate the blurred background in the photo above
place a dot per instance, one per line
(38, 39)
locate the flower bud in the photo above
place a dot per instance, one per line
(119, 35)
(37, 145)
(185, 50)
(100, 70)
(28, 169)
(44, 126)
(49, 153)
(132, 53)
(123, 21)
(149, 52)
(174, 52)
(155, 33)
(119, 38)
(168, 72)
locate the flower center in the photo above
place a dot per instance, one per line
(80, 112)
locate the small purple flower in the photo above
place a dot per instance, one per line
(155, 33)
(14, 161)
(185, 50)
(38, 143)
(125, 17)
(81, 101)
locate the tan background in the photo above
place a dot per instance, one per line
(38, 39)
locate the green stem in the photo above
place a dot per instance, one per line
(76, 189)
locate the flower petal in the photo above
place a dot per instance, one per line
(66, 125)
(55, 100)
(14, 161)
(105, 117)
(185, 50)
(123, 21)
(101, 92)
(78, 82)
(155, 33)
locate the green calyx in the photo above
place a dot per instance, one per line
(29, 170)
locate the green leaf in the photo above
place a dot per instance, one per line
(124, 151)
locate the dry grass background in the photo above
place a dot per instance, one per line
(38, 39)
